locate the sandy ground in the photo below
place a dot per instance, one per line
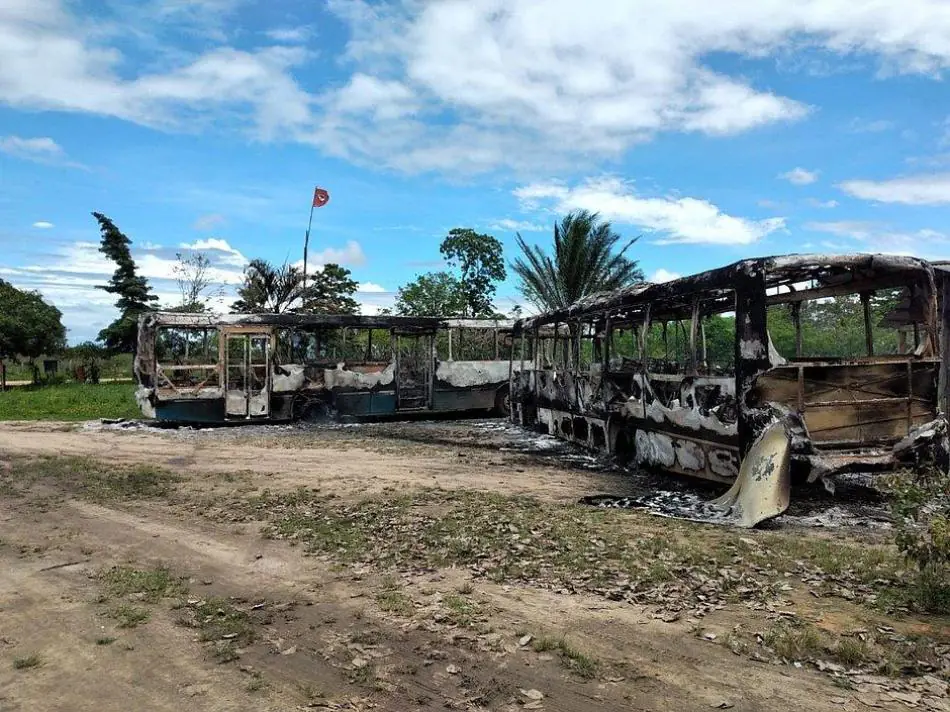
(320, 629)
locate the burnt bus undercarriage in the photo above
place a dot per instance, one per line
(280, 367)
(599, 373)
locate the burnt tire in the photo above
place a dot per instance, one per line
(503, 402)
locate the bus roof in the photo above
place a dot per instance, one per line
(788, 278)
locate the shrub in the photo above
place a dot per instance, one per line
(921, 507)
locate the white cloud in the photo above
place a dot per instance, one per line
(208, 222)
(877, 237)
(932, 189)
(290, 35)
(43, 225)
(52, 59)
(226, 254)
(664, 275)
(455, 86)
(69, 277)
(352, 254)
(372, 287)
(679, 220)
(815, 203)
(517, 226)
(857, 125)
(856, 229)
(41, 149)
(799, 176)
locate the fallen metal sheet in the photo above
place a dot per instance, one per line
(761, 491)
(763, 488)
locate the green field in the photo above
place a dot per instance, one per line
(71, 401)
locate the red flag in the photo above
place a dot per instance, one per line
(320, 197)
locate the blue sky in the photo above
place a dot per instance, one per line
(715, 131)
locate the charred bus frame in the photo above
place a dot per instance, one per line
(843, 414)
(280, 367)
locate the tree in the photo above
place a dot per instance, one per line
(134, 294)
(29, 327)
(275, 290)
(268, 289)
(479, 260)
(432, 294)
(585, 261)
(194, 282)
(330, 291)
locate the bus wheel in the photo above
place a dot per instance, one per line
(503, 402)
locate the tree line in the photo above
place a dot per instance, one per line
(586, 256)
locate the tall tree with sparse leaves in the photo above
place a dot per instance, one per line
(134, 294)
(585, 261)
(480, 263)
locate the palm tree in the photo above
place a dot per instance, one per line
(268, 289)
(584, 262)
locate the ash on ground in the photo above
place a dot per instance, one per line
(856, 502)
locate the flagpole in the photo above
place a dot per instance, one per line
(306, 244)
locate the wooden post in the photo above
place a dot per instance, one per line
(666, 344)
(751, 347)
(605, 345)
(693, 332)
(450, 343)
(644, 340)
(943, 397)
(868, 327)
(705, 360)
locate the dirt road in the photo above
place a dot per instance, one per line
(138, 578)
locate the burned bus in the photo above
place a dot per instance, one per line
(682, 376)
(203, 368)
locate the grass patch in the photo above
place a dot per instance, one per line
(153, 584)
(129, 616)
(223, 625)
(869, 650)
(578, 662)
(256, 683)
(795, 642)
(89, 478)
(392, 600)
(27, 662)
(105, 640)
(621, 555)
(462, 611)
(71, 401)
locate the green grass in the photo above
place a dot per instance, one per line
(88, 478)
(221, 624)
(153, 584)
(71, 401)
(105, 640)
(800, 641)
(128, 616)
(392, 600)
(27, 662)
(622, 555)
(578, 662)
